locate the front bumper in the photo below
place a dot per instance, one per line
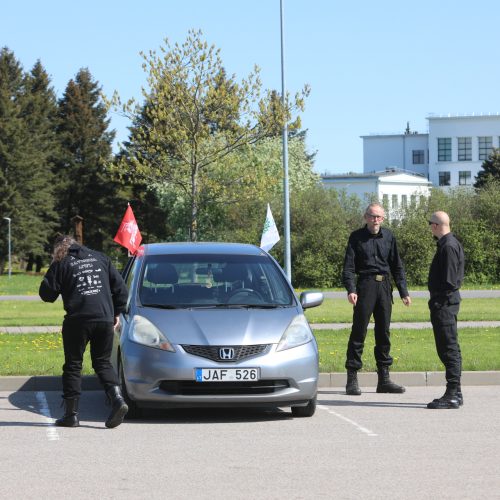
(160, 379)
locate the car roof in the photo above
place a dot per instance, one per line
(201, 248)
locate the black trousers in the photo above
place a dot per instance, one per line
(374, 297)
(76, 336)
(444, 324)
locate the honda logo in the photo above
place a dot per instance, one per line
(226, 353)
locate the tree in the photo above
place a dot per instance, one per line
(26, 139)
(41, 118)
(490, 170)
(321, 221)
(193, 120)
(86, 186)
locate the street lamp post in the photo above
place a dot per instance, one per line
(9, 243)
(286, 218)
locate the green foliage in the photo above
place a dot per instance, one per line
(27, 145)
(320, 229)
(195, 117)
(490, 170)
(85, 185)
(415, 243)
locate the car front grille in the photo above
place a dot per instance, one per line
(238, 352)
(193, 388)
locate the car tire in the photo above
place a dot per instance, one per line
(133, 410)
(305, 411)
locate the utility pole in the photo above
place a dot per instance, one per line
(286, 218)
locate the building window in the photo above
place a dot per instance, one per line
(413, 200)
(485, 147)
(464, 178)
(418, 157)
(404, 200)
(444, 178)
(394, 201)
(385, 201)
(465, 149)
(444, 148)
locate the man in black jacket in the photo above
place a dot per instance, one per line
(94, 294)
(446, 275)
(372, 255)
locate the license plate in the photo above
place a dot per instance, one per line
(227, 374)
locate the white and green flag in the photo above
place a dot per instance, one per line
(270, 234)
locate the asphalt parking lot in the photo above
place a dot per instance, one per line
(371, 446)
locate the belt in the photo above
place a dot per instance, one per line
(376, 277)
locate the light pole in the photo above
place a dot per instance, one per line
(286, 218)
(9, 240)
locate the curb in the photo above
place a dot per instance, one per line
(326, 380)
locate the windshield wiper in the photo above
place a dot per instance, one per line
(249, 306)
(161, 306)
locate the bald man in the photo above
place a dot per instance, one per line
(446, 275)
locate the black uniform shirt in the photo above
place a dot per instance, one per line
(370, 254)
(91, 288)
(446, 273)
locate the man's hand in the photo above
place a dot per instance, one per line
(406, 301)
(353, 298)
(117, 322)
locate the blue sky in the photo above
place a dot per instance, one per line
(372, 66)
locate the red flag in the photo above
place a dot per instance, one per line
(128, 234)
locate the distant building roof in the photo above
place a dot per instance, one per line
(388, 172)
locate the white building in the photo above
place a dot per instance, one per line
(395, 189)
(450, 154)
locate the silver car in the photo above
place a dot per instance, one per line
(214, 324)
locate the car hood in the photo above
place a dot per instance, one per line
(221, 326)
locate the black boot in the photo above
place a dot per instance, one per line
(119, 407)
(385, 384)
(449, 400)
(70, 417)
(352, 387)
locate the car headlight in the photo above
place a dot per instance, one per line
(297, 333)
(145, 333)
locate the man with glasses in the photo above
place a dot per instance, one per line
(372, 255)
(446, 275)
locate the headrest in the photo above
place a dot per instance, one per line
(234, 272)
(161, 274)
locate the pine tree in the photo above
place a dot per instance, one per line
(41, 117)
(85, 185)
(25, 178)
(490, 170)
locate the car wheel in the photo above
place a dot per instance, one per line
(133, 410)
(305, 411)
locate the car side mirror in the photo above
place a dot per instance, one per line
(311, 299)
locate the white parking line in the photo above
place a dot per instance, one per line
(43, 407)
(368, 432)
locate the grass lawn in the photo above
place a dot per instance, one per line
(20, 283)
(34, 354)
(30, 313)
(34, 313)
(413, 350)
(340, 311)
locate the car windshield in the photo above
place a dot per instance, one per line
(194, 280)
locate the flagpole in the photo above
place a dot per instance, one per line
(286, 218)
